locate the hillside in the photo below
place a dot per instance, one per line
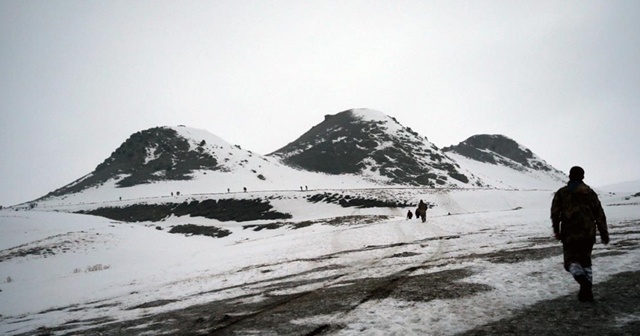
(156, 154)
(502, 162)
(359, 148)
(375, 146)
(167, 161)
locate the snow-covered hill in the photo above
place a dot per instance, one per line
(358, 148)
(168, 161)
(372, 144)
(501, 162)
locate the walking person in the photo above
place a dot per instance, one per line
(422, 210)
(576, 214)
(409, 214)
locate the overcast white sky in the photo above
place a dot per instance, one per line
(77, 78)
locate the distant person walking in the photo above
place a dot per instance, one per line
(409, 214)
(422, 210)
(576, 213)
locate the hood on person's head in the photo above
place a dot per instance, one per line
(576, 174)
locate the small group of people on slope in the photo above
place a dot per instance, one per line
(421, 212)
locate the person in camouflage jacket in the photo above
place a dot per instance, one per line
(576, 213)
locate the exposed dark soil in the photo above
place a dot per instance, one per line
(200, 230)
(272, 315)
(347, 201)
(616, 298)
(223, 210)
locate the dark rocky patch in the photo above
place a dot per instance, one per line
(222, 210)
(43, 251)
(156, 154)
(626, 198)
(343, 220)
(355, 220)
(404, 255)
(200, 230)
(260, 227)
(520, 255)
(615, 298)
(157, 303)
(46, 247)
(344, 143)
(349, 201)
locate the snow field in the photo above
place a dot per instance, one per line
(140, 264)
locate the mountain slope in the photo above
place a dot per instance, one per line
(156, 154)
(165, 160)
(359, 148)
(375, 146)
(502, 162)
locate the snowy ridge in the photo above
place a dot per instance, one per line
(375, 146)
(235, 170)
(501, 176)
(359, 148)
(502, 162)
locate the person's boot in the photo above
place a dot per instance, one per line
(586, 288)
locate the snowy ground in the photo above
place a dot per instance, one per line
(482, 256)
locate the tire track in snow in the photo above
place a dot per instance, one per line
(379, 292)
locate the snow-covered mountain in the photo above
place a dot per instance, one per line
(156, 154)
(165, 161)
(357, 148)
(502, 162)
(375, 146)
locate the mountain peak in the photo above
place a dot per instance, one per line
(498, 148)
(368, 114)
(372, 144)
(155, 154)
